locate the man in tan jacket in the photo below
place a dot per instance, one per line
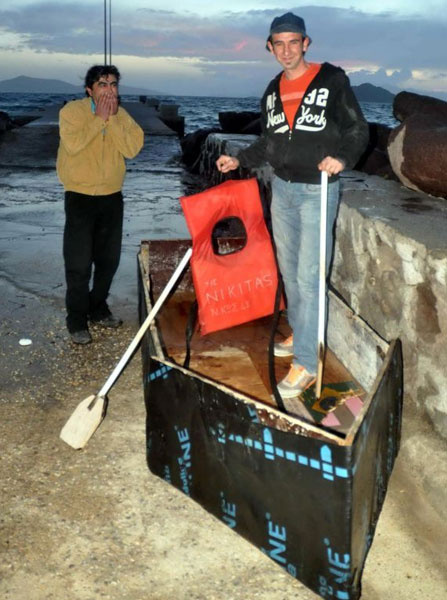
(96, 135)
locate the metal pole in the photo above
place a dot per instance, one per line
(110, 32)
(105, 32)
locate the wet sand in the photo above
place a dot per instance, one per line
(96, 523)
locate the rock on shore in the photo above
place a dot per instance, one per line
(6, 123)
(407, 103)
(417, 147)
(417, 151)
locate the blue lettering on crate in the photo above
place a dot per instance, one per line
(167, 474)
(184, 460)
(273, 452)
(340, 571)
(228, 512)
(253, 414)
(269, 449)
(277, 545)
(162, 372)
(221, 435)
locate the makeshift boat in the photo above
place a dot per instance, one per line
(305, 488)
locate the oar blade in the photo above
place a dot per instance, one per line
(90, 412)
(83, 422)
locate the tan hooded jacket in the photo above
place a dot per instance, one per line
(91, 153)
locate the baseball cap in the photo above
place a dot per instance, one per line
(288, 23)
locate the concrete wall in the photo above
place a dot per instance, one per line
(390, 265)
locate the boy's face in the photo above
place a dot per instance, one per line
(288, 49)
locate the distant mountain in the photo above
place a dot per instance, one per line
(34, 85)
(24, 84)
(366, 92)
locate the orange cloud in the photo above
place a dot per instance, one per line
(240, 46)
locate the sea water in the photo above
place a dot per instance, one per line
(156, 178)
(199, 111)
(32, 199)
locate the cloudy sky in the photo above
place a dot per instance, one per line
(212, 48)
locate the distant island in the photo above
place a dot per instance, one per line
(366, 92)
(34, 85)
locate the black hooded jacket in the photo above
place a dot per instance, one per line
(329, 122)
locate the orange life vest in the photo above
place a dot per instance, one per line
(234, 288)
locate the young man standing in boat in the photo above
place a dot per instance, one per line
(96, 135)
(311, 122)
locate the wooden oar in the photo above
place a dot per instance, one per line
(89, 413)
(322, 283)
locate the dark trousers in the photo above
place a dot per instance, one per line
(92, 238)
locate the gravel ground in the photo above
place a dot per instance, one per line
(96, 524)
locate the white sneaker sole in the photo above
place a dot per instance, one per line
(296, 390)
(280, 352)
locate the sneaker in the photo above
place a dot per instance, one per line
(81, 337)
(297, 380)
(284, 348)
(109, 321)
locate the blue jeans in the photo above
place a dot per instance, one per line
(296, 230)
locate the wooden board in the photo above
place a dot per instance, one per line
(238, 358)
(230, 366)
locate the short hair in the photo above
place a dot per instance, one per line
(95, 73)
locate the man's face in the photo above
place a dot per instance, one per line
(107, 84)
(288, 49)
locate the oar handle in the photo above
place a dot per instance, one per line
(322, 283)
(138, 337)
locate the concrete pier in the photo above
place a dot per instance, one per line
(35, 144)
(145, 115)
(147, 118)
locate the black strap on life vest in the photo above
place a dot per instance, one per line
(190, 328)
(271, 357)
